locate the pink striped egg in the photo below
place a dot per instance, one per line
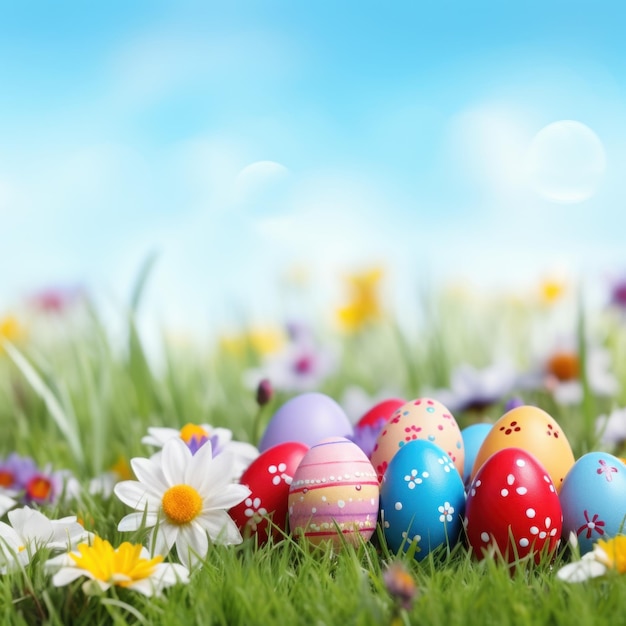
(334, 494)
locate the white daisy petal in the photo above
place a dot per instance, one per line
(145, 586)
(162, 541)
(136, 495)
(170, 573)
(220, 475)
(66, 575)
(157, 436)
(6, 503)
(149, 472)
(176, 458)
(191, 546)
(220, 527)
(228, 497)
(134, 521)
(200, 471)
(582, 570)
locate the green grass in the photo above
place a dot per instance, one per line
(79, 403)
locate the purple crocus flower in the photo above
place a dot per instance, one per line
(365, 436)
(16, 471)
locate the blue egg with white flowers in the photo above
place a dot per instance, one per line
(422, 499)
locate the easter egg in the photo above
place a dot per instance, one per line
(422, 418)
(334, 494)
(268, 477)
(381, 411)
(473, 438)
(422, 499)
(513, 507)
(533, 430)
(593, 498)
(307, 418)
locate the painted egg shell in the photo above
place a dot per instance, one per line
(334, 492)
(268, 477)
(593, 497)
(512, 498)
(381, 411)
(422, 418)
(422, 499)
(533, 430)
(473, 438)
(307, 418)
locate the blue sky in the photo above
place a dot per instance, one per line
(241, 140)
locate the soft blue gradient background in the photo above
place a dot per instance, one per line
(125, 126)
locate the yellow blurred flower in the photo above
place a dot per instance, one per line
(259, 341)
(363, 305)
(612, 553)
(11, 330)
(551, 290)
(122, 468)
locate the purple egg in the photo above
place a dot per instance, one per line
(307, 418)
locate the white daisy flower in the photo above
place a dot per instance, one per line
(186, 497)
(128, 566)
(196, 435)
(560, 373)
(612, 427)
(29, 531)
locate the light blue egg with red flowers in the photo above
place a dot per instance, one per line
(593, 499)
(422, 499)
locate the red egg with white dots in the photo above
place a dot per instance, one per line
(268, 477)
(513, 508)
(422, 418)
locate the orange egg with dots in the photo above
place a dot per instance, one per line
(535, 431)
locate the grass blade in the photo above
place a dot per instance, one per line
(61, 416)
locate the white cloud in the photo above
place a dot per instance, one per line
(487, 144)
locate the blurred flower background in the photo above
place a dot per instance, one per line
(266, 150)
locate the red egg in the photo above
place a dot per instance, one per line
(268, 477)
(382, 410)
(512, 506)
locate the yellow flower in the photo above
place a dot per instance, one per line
(121, 467)
(551, 290)
(612, 552)
(363, 305)
(128, 566)
(10, 329)
(259, 341)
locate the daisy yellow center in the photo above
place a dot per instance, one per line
(564, 366)
(189, 431)
(615, 552)
(121, 566)
(181, 504)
